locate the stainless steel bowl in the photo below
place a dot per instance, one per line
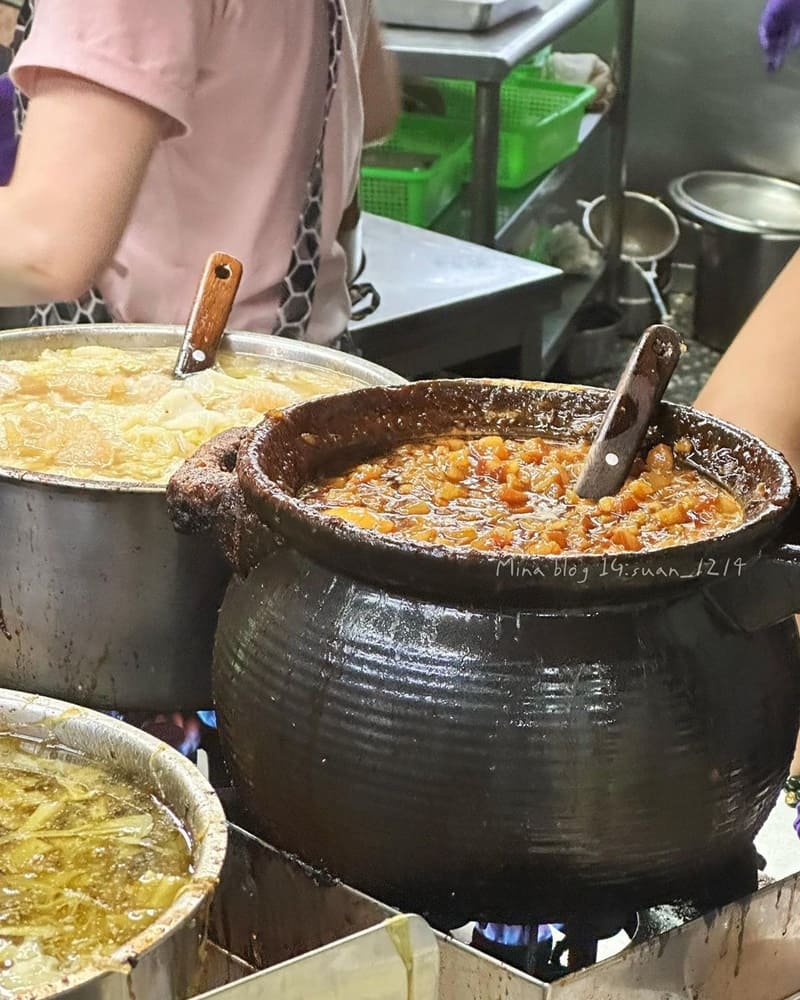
(591, 345)
(101, 602)
(650, 230)
(161, 962)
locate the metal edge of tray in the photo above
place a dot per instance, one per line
(451, 15)
(399, 957)
(486, 57)
(270, 904)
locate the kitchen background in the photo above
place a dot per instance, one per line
(701, 97)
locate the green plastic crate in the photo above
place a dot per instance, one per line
(418, 196)
(539, 124)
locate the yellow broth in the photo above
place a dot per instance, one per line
(87, 862)
(112, 414)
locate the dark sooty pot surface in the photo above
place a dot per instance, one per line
(471, 736)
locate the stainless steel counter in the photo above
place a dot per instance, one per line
(270, 910)
(489, 56)
(444, 301)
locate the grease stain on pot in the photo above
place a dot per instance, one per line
(4, 629)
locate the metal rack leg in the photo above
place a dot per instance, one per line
(483, 194)
(618, 122)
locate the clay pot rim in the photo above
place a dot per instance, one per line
(270, 495)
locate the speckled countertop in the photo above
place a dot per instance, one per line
(690, 376)
(693, 369)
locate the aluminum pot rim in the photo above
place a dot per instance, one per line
(699, 212)
(39, 716)
(372, 374)
(420, 565)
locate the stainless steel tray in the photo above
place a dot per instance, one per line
(452, 15)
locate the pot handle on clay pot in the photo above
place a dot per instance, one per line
(768, 591)
(204, 497)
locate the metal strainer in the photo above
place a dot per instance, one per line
(650, 232)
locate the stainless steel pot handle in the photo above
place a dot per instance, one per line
(768, 592)
(204, 498)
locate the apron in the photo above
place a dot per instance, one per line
(299, 286)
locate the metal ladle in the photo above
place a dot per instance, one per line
(650, 278)
(209, 316)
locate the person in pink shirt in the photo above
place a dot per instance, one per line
(153, 133)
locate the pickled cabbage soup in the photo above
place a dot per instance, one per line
(87, 862)
(107, 413)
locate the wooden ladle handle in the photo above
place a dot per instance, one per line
(209, 316)
(630, 412)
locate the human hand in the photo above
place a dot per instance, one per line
(582, 68)
(779, 30)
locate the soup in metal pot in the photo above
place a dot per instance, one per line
(106, 413)
(87, 862)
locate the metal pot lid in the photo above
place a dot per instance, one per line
(749, 203)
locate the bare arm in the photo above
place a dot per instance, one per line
(81, 162)
(380, 85)
(757, 383)
(8, 22)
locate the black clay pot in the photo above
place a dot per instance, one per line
(474, 736)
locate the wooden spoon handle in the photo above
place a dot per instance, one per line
(630, 412)
(210, 311)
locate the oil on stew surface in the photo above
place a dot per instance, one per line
(518, 496)
(87, 862)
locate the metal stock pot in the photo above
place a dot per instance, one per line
(747, 229)
(474, 735)
(101, 603)
(163, 961)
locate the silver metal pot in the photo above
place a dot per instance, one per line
(747, 228)
(101, 602)
(163, 961)
(591, 345)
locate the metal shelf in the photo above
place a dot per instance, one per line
(489, 56)
(515, 214)
(515, 208)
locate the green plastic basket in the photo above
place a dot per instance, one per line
(418, 196)
(538, 62)
(539, 125)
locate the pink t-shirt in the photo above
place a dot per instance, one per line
(243, 83)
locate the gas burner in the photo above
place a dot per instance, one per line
(549, 952)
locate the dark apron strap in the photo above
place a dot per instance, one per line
(299, 286)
